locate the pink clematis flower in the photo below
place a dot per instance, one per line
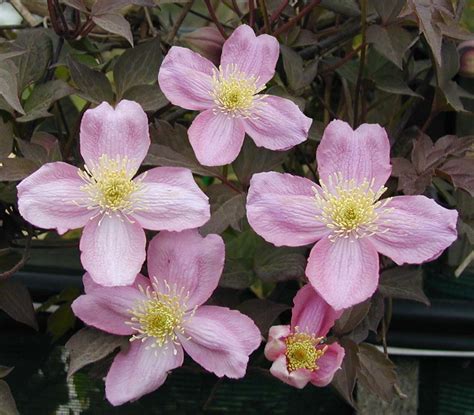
(297, 351)
(105, 199)
(346, 216)
(229, 98)
(164, 315)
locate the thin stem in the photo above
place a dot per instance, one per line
(290, 23)
(21, 263)
(360, 75)
(151, 27)
(263, 11)
(342, 61)
(203, 16)
(251, 13)
(214, 18)
(236, 8)
(279, 11)
(179, 21)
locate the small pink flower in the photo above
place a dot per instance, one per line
(346, 216)
(164, 315)
(297, 351)
(229, 98)
(105, 199)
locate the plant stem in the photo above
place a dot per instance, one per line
(24, 258)
(264, 13)
(179, 21)
(214, 18)
(290, 23)
(360, 75)
(251, 13)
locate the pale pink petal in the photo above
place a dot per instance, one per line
(311, 313)
(276, 345)
(50, 198)
(187, 260)
(344, 272)
(185, 78)
(277, 123)
(112, 250)
(138, 371)
(414, 229)
(253, 55)
(216, 138)
(363, 154)
(298, 378)
(170, 199)
(118, 133)
(281, 208)
(221, 340)
(108, 308)
(328, 365)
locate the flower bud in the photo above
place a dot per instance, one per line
(207, 41)
(466, 56)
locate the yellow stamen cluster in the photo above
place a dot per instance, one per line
(160, 316)
(109, 185)
(349, 209)
(302, 351)
(234, 92)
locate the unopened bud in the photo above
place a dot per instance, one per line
(207, 41)
(466, 56)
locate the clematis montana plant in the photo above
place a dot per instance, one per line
(164, 314)
(345, 215)
(298, 351)
(105, 199)
(229, 98)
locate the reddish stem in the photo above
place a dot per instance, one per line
(251, 13)
(214, 18)
(290, 23)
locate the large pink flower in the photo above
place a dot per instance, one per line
(346, 216)
(164, 315)
(229, 100)
(297, 351)
(105, 199)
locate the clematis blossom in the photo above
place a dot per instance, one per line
(106, 199)
(346, 217)
(298, 351)
(164, 314)
(229, 100)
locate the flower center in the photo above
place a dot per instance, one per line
(160, 316)
(234, 92)
(110, 185)
(302, 351)
(349, 209)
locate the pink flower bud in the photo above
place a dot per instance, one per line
(207, 41)
(466, 57)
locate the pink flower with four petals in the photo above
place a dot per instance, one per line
(297, 351)
(105, 199)
(164, 315)
(346, 216)
(229, 98)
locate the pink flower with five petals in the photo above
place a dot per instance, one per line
(298, 351)
(346, 217)
(164, 314)
(229, 98)
(105, 199)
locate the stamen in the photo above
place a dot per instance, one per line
(303, 351)
(234, 92)
(348, 209)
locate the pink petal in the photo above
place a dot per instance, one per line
(216, 138)
(171, 200)
(344, 272)
(50, 198)
(187, 260)
(120, 132)
(108, 308)
(278, 124)
(254, 56)
(363, 154)
(328, 364)
(311, 314)
(221, 340)
(276, 345)
(112, 250)
(414, 229)
(298, 378)
(185, 78)
(138, 371)
(281, 208)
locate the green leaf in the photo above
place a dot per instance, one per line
(137, 66)
(114, 23)
(108, 6)
(348, 8)
(93, 85)
(89, 345)
(6, 138)
(274, 264)
(351, 318)
(7, 403)
(236, 275)
(388, 10)
(42, 148)
(61, 321)
(262, 312)
(461, 173)
(8, 85)
(12, 169)
(149, 97)
(15, 300)
(345, 378)
(403, 282)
